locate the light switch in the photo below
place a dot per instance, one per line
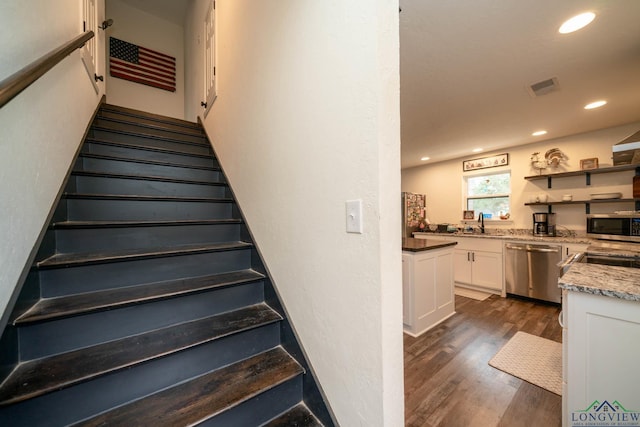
(354, 216)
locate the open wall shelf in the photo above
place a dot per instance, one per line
(587, 203)
(587, 173)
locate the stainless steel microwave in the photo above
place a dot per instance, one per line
(614, 226)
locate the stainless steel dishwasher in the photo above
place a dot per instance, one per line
(531, 270)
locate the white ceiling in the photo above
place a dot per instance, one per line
(465, 66)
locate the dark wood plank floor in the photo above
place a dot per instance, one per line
(448, 381)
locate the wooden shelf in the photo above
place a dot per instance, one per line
(587, 173)
(587, 203)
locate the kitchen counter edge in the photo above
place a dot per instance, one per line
(610, 281)
(523, 237)
(420, 245)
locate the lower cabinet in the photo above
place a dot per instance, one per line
(601, 343)
(427, 289)
(478, 263)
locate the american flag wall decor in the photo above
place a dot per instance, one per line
(141, 65)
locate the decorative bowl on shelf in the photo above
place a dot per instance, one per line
(605, 196)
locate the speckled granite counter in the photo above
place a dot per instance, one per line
(510, 236)
(420, 245)
(611, 281)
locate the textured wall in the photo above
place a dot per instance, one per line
(41, 128)
(307, 117)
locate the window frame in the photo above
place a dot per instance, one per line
(465, 190)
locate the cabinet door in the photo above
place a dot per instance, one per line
(424, 286)
(603, 335)
(444, 280)
(462, 266)
(486, 270)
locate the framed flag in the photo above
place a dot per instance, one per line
(141, 65)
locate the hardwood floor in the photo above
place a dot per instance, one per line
(448, 381)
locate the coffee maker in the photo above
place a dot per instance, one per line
(544, 224)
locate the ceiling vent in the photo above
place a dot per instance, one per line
(544, 87)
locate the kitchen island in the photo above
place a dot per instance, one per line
(601, 337)
(427, 283)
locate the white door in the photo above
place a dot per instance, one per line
(88, 51)
(210, 57)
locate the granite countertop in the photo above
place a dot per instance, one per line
(420, 245)
(508, 235)
(611, 281)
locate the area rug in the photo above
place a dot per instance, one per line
(470, 293)
(533, 359)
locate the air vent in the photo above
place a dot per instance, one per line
(544, 87)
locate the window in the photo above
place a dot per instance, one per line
(489, 194)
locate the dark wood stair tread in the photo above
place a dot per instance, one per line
(206, 396)
(100, 174)
(145, 198)
(149, 116)
(73, 305)
(88, 258)
(298, 416)
(107, 116)
(114, 128)
(40, 376)
(152, 223)
(147, 162)
(147, 148)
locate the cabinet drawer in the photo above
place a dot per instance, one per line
(479, 244)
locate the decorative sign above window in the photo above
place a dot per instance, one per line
(145, 66)
(486, 162)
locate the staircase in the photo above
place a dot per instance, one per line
(148, 304)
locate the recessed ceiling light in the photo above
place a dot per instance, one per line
(595, 104)
(576, 23)
(425, 158)
(539, 133)
(477, 150)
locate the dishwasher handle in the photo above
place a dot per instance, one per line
(530, 248)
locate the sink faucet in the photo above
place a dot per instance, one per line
(481, 221)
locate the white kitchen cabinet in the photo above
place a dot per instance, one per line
(478, 263)
(427, 285)
(601, 343)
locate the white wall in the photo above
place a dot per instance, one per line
(42, 128)
(136, 26)
(307, 117)
(445, 203)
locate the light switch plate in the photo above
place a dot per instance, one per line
(354, 216)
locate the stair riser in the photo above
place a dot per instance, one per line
(86, 399)
(134, 115)
(170, 127)
(141, 187)
(151, 142)
(97, 239)
(261, 408)
(141, 210)
(66, 281)
(124, 167)
(58, 336)
(141, 154)
(149, 130)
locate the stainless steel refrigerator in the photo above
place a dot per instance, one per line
(413, 213)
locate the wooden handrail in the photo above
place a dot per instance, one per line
(20, 80)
